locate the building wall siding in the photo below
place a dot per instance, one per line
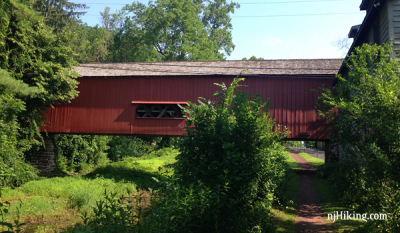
(370, 38)
(389, 20)
(395, 12)
(104, 105)
(384, 21)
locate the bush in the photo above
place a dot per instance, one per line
(111, 214)
(76, 152)
(13, 169)
(367, 128)
(128, 146)
(326, 170)
(231, 152)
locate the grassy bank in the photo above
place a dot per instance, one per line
(286, 214)
(330, 202)
(291, 161)
(53, 204)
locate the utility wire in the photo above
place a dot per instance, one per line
(244, 3)
(270, 16)
(264, 16)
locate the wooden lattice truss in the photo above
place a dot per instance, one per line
(158, 111)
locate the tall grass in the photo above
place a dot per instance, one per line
(285, 214)
(59, 202)
(291, 161)
(48, 195)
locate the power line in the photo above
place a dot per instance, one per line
(268, 16)
(263, 16)
(244, 3)
(291, 2)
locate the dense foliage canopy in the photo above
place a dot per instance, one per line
(366, 127)
(37, 72)
(163, 30)
(37, 57)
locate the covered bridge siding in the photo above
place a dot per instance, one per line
(110, 93)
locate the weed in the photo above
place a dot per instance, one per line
(81, 198)
(14, 226)
(112, 214)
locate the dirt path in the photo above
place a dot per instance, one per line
(310, 217)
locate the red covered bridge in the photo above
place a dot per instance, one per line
(141, 98)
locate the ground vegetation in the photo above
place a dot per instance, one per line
(364, 112)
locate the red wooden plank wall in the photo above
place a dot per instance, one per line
(104, 105)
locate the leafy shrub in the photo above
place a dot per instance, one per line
(82, 168)
(327, 170)
(13, 169)
(112, 214)
(367, 128)
(40, 70)
(128, 146)
(231, 149)
(198, 208)
(14, 226)
(74, 151)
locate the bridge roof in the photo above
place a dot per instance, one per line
(188, 68)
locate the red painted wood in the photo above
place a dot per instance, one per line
(108, 105)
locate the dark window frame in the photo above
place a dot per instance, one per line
(159, 110)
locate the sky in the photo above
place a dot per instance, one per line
(275, 29)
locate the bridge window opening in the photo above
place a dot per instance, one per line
(158, 111)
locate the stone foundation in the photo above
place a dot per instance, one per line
(45, 161)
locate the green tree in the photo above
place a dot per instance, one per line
(113, 21)
(13, 170)
(172, 30)
(127, 146)
(74, 151)
(309, 144)
(216, 19)
(253, 58)
(367, 128)
(292, 144)
(57, 13)
(127, 41)
(38, 58)
(90, 44)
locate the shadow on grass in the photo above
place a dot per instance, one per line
(284, 219)
(141, 178)
(293, 165)
(53, 174)
(331, 202)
